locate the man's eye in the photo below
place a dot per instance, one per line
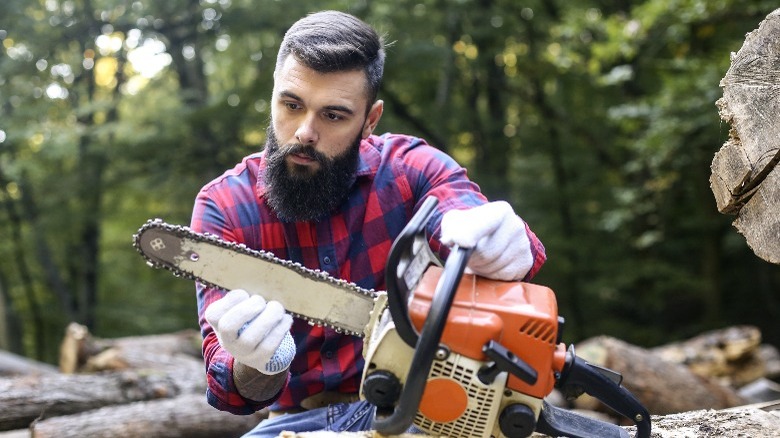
(333, 116)
(292, 105)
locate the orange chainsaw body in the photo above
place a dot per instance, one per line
(523, 317)
(466, 356)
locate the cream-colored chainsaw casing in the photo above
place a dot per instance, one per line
(388, 352)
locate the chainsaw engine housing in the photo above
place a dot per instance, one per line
(458, 401)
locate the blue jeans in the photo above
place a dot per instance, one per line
(338, 417)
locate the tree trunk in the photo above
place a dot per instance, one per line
(739, 423)
(80, 352)
(743, 179)
(14, 365)
(25, 399)
(662, 386)
(188, 415)
(23, 270)
(731, 356)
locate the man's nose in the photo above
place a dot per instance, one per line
(307, 131)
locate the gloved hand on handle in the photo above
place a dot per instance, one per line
(255, 332)
(502, 248)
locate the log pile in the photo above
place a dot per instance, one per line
(186, 415)
(154, 386)
(719, 369)
(753, 423)
(127, 387)
(664, 387)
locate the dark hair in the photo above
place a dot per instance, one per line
(332, 41)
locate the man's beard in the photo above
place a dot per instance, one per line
(297, 193)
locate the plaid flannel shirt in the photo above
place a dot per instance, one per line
(395, 174)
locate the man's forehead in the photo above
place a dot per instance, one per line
(293, 77)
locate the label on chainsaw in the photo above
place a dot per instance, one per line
(308, 294)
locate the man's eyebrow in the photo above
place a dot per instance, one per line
(339, 108)
(290, 94)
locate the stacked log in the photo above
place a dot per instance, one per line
(753, 423)
(154, 386)
(80, 352)
(187, 415)
(733, 356)
(12, 365)
(663, 386)
(708, 371)
(126, 387)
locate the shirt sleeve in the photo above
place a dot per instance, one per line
(431, 172)
(209, 216)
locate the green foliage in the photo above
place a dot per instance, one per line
(596, 119)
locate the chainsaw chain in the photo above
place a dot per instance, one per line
(314, 274)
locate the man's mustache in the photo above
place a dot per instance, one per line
(301, 149)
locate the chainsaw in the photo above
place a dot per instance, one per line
(459, 356)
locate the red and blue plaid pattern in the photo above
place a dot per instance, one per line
(395, 174)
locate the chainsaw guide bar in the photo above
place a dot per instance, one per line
(309, 294)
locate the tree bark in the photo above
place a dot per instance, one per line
(14, 365)
(739, 423)
(161, 390)
(81, 352)
(188, 415)
(662, 386)
(25, 399)
(744, 180)
(22, 268)
(731, 356)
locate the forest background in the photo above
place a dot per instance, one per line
(595, 119)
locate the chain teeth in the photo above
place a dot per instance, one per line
(187, 232)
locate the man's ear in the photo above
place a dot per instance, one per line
(374, 114)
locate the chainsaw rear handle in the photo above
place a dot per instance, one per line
(428, 340)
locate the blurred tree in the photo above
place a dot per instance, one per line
(642, 83)
(595, 119)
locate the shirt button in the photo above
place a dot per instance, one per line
(326, 260)
(329, 354)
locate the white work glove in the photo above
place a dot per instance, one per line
(255, 332)
(502, 249)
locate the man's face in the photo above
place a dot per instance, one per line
(326, 111)
(312, 162)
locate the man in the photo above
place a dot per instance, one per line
(328, 193)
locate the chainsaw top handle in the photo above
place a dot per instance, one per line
(427, 342)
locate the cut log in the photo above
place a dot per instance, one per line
(20, 433)
(732, 356)
(188, 415)
(761, 390)
(745, 179)
(662, 386)
(161, 390)
(15, 365)
(770, 355)
(741, 423)
(27, 398)
(82, 352)
(73, 348)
